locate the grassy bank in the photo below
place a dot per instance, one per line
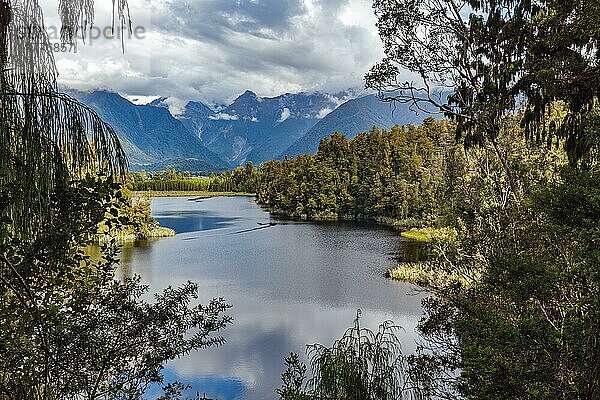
(426, 274)
(128, 235)
(428, 235)
(200, 194)
(429, 273)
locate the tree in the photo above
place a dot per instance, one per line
(362, 365)
(529, 327)
(45, 136)
(477, 61)
(69, 328)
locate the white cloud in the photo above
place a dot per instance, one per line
(141, 100)
(213, 50)
(323, 113)
(176, 106)
(254, 119)
(224, 116)
(285, 114)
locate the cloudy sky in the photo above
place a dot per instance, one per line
(213, 50)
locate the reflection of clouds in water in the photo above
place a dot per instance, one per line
(214, 387)
(259, 345)
(291, 285)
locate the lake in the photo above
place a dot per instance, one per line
(291, 284)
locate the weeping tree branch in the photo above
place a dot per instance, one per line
(46, 137)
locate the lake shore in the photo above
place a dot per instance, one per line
(127, 235)
(200, 194)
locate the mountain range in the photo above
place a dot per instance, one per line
(151, 137)
(203, 139)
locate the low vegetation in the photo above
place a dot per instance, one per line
(361, 365)
(136, 221)
(426, 274)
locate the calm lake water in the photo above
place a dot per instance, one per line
(291, 284)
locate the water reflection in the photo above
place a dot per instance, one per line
(291, 284)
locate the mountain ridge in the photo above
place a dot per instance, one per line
(205, 139)
(351, 118)
(149, 134)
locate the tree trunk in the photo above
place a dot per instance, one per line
(509, 173)
(5, 18)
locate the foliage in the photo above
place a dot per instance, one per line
(240, 179)
(362, 365)
(490, 58)
(417, 174)
(381, 174)
(528, 327)
(515, 311)
(136, 219)
(68, 328)
(45, 136)
(293, 380)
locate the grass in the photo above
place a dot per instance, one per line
(424, 274)
(161, 231)
(201, 194)
(433, 273)
(127, 235)
(415, 235)
(427, 235)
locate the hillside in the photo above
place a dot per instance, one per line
(351, 118)
(150, 134)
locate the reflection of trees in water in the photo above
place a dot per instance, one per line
(124, 271)
(126, 257)
(411, 251)
(130, 252)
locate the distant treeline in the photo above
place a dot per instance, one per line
(238, 180)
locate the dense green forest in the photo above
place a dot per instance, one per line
(414, 175)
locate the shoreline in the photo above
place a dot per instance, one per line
(420, 273)
(124, 237)
(199, 194)
(399, 225)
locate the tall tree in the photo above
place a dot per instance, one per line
(45, 136)
(491, 56)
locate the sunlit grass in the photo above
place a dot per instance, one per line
(425, 274)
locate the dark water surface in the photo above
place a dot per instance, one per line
(291, 284)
